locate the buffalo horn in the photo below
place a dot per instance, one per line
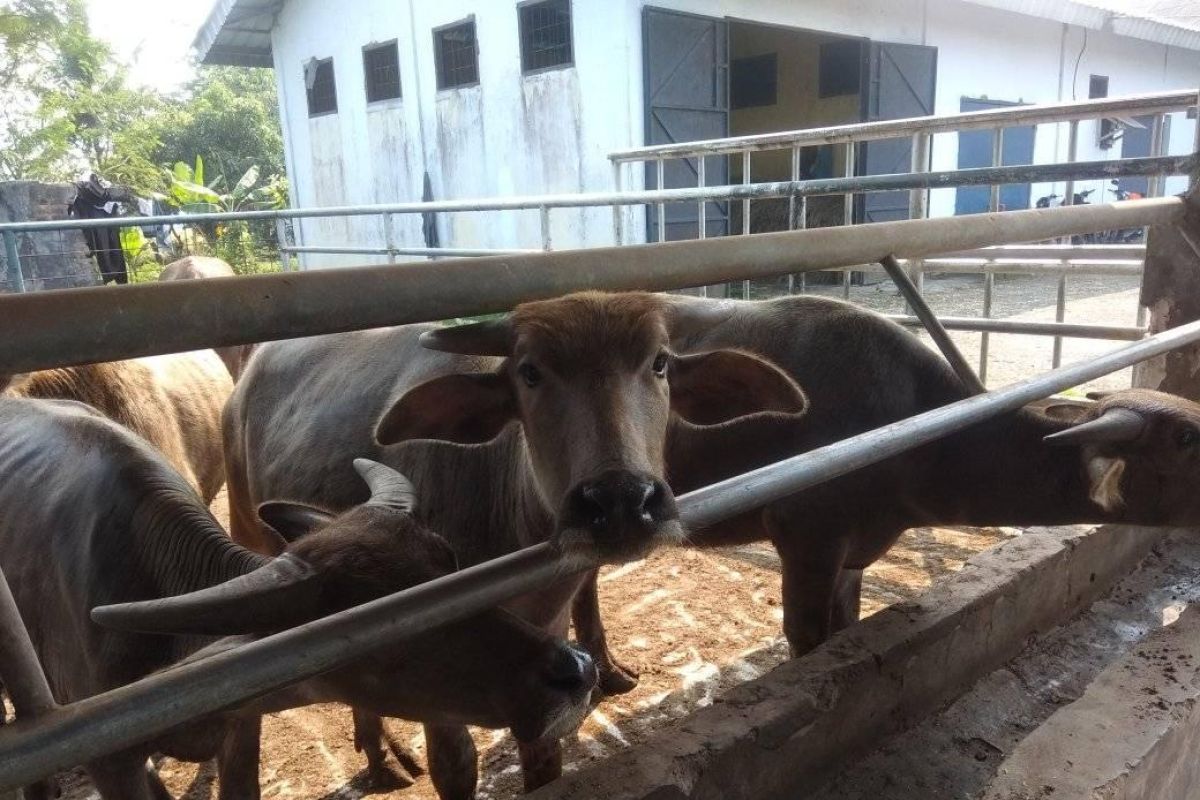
(1114, 425)
(281, 593)
(491, 337)
(388, 487)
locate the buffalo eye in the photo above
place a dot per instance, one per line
(1187, 437)
(530, 374)
(660, 365)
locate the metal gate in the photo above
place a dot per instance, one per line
(686, 77)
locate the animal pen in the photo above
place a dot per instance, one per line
(768, 743)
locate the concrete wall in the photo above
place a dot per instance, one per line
(551, 132)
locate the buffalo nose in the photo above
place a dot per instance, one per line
(570, 670)
(617, 497)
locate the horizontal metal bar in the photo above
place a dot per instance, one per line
(449, 252)
(123, 717)
(1160, 102)
(1153, 165)
(956, 267)
(175, 316)
(1080, 252)
(1128, 333)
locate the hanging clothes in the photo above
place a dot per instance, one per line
(96, 198)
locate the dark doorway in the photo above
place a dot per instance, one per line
(1135, 143)
(975, 150)
(687, 98)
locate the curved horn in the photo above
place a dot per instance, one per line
(689, 317)
(491, 337)
(281, 593)
(388, 487)
(1114, 425)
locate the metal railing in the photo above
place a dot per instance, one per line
(921, 131)
(179, 316)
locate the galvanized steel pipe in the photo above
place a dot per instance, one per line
(116, 322)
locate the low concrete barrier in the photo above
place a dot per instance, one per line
(780, 734)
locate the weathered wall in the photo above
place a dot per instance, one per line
(551, 132)
(52, 259)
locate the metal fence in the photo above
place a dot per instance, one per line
(154, 318)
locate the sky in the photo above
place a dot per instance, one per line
(154, 37)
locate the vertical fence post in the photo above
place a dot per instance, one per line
(618, 210)
(1060, 307)
(847, 209)
(389, 237)
(1154, 186)
(746, 213)
(16, 280)
(702, 219)
(544, 217)
(797, 218)
(918, 205)
(989, 278)
(285, 261)
(662, 207)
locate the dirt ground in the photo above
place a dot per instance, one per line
(692, 623)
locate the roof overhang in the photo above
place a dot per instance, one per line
(238, 33)
(1170, 22)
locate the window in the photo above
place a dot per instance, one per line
(753, 81)
(545, 35)
(839, 68)
(322, 93)
(457, 55)
(381, 71)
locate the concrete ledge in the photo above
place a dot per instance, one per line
(1133, 734)
(781, 733)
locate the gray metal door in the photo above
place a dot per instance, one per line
(686, 77)
(901, 84)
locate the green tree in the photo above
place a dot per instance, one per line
(68, 106)
(229, 117)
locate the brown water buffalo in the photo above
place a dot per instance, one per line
(200, 267)
(90, 515)
(174, 402)
(1133, 457)
(549, 424)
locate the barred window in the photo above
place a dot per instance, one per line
(457, 55)
(545, 35)
(322, 93)
(381, 71)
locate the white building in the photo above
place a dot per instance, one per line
(498, 97)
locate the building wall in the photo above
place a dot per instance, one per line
(551, 132)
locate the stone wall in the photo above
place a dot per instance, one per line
(50, 259)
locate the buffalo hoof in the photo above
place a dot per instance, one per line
(387, 775)
(615, 678)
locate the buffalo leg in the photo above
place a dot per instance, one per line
(237, 760)
(810, 584)
(127, 778)
(453, 766)
(847, 599)
(391, 770)
(541, 762)
(589, 630)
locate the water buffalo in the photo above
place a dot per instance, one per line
(547, 424)
(201, 267)
(1132, 457)
(174, 402)
(90, 516)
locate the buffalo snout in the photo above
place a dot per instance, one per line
(619, 514)
(569, 669)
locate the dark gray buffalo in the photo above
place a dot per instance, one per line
(1133, 457)
(547, 424)
(90, 515)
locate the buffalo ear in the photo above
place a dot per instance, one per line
(710, 388)
(463, 409)
(292, 521)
